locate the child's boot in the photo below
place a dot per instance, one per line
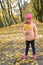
(24, 56)
(35, 56)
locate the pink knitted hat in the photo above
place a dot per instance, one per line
(28, 16)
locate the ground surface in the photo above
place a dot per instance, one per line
(12, 47)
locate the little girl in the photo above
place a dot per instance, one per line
(31, 35)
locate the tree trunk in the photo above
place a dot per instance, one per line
(10, 19)
(14, 20)
(41, 10)
(20, 8)
(38, 6)
(1, 23)
(4, 13)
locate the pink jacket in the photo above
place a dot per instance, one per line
(32, 33)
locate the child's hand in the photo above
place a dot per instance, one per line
(35, 38)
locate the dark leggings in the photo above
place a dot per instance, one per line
(32, 45)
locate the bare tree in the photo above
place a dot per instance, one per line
(10, 12)
(1, 23)
(4, 13)
(20, 8)
(38, 7)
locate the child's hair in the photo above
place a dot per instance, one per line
(28, 16)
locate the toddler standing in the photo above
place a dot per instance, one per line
(31, 34)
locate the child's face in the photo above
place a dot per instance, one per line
(28, 20)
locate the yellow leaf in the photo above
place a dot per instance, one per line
(17, 63)
(27, 26)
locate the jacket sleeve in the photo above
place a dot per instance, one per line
(35, 32)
